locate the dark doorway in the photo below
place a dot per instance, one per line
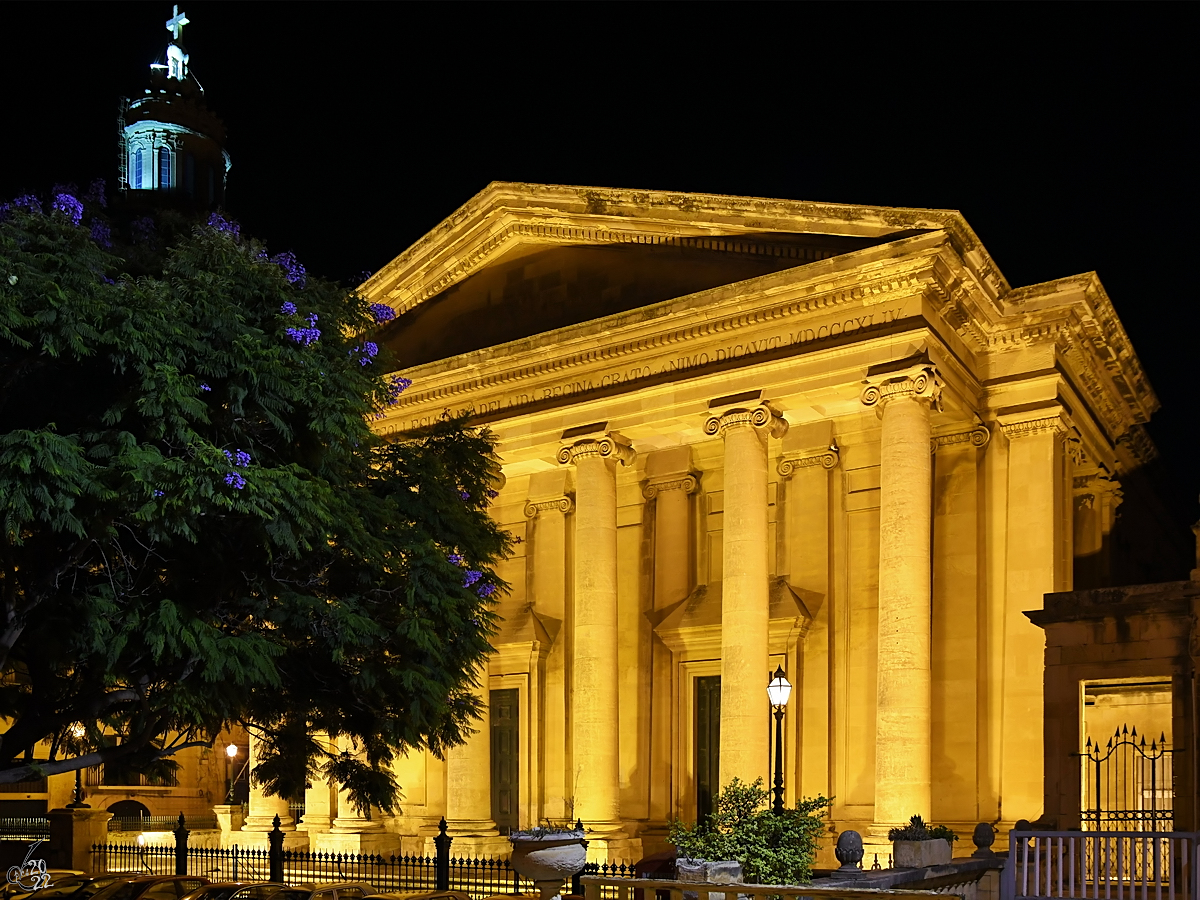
(708, 743)
(506, 769)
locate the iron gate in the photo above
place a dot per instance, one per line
(1127, 786)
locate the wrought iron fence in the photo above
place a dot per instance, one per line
(26, 828)
(477, 878)
(1127, 785)
(162, 823)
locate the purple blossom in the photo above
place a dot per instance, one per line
(106, 279)
(29, 202)
(312, 319)
(235, 480)
(288, 308)
(464, 495)
(240, 458)
(369, 350)
(492, 495)
(470, 577)
(381, 312)
(365, 274)
(225, 226)
(293, 271)
(304, 336)
(142, 230)
(159, 493)
(69, 206)
(101, 233)
(97, 192)
(455, 558)
(486, 590)
(204, 387)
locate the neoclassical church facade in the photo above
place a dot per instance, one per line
(740, 434)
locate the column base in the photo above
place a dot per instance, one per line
(374, 842)
(267, 823)
(608, 842)
(314, 824)
(292, 840)
(474, 846)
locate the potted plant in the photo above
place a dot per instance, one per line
(744, 841)
(548, 856)
(917, 845)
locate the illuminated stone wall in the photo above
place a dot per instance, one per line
(838, 441)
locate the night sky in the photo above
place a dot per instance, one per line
(1064, 133)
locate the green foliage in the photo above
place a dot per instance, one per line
(917, 830)
(146, 593)
(773, 848)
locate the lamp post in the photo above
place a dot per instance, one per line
(77, 732)
(779, 689)
(231, 755)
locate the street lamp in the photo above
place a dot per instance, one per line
(231, 753)
(77, 732)
(778, 690)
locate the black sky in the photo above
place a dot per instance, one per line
(1064, 133)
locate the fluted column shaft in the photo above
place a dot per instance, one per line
(745, 596)
(469, 773)
(903, 722)
(595, 693)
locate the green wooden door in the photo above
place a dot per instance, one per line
(708, 742)
(506, 769)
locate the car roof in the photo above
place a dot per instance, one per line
(332, 885)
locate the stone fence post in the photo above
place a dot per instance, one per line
(181, 848)
(442, 863)
(72, 834)
(275, 853)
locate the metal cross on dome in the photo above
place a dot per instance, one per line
(176, 22)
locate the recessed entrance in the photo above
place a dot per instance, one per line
(506, 769)
(708, 743)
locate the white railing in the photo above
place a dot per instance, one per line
(1103, 865)
(624, 889)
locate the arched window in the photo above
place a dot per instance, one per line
(164, 169)
(137, 169)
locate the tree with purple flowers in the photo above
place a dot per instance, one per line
(200, 527)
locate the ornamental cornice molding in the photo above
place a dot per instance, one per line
(978, 436)
(902, 279)
(685, 483)
(806, 459)
(609, 446)
(763, 418)
(562, 504)
(921, 383)
(1051, 420)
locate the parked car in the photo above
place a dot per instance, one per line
(333, 890)
(32, 878)
(420, 895)
(76, 887)
(151, 887)
(236, 890)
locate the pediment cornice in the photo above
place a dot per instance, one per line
(505, 214)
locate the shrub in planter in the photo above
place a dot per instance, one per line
(917, 845)
(772, 848)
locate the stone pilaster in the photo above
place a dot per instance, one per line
(351, 831)
(1039, 560)
(469, 786)
(903, 719)
(595, 689)
(319, 798)
(547, 509)
(745, 594)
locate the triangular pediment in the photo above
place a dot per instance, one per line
(520, 259)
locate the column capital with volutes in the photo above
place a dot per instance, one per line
(606, 446)
(921, 383)
(763, 418)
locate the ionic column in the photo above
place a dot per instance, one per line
(902, 720)
(594, 695)
(261, 807)
(469, 774)
(745, 595)
(319, 798)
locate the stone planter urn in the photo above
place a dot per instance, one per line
(919, 854)
(705, 871)
(548, 858)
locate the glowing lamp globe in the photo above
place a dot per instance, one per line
(779, 689)
(231, 751)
